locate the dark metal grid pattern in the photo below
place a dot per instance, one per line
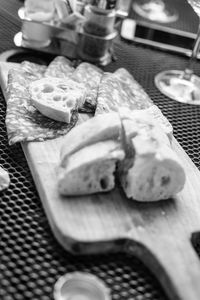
(31, 259)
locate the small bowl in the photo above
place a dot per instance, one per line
(80, 286)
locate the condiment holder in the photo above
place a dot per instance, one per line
(90, 38)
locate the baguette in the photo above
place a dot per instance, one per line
(91, 169)
(97, 151)
(156, 172)
(98, 129)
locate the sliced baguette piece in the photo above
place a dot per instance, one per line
(134, 123)
(91, 169)
(57, 98)
(157, 172)
(97, 129)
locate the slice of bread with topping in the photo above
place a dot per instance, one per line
(57, 98)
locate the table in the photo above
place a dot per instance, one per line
(31, 260)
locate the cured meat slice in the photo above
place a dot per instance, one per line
(37, 71)
(91, 76)
(115, 92)
(60, 67)
(133, 89)
(23, 121)
(120, 89)
(17, 84)
(110, 96)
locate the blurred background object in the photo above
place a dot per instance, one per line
(155, 10)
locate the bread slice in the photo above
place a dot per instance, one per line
(91, 169)
(94, 130)
(156, 173)
(57, 98)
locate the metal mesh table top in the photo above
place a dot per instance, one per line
(31, 260)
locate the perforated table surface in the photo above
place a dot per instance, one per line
(31, 260)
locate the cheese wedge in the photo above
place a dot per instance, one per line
(91, 169)
(57, 98)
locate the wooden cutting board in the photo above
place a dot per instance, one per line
(158, 233)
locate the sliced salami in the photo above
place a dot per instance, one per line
(119, 89)
(35, 71)
(60, 67)
(133, 89)
(109, 94)
(17, 84)
(89, 75)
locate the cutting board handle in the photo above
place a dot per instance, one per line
(176, 266)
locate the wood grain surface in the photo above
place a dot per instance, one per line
(158, 233)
